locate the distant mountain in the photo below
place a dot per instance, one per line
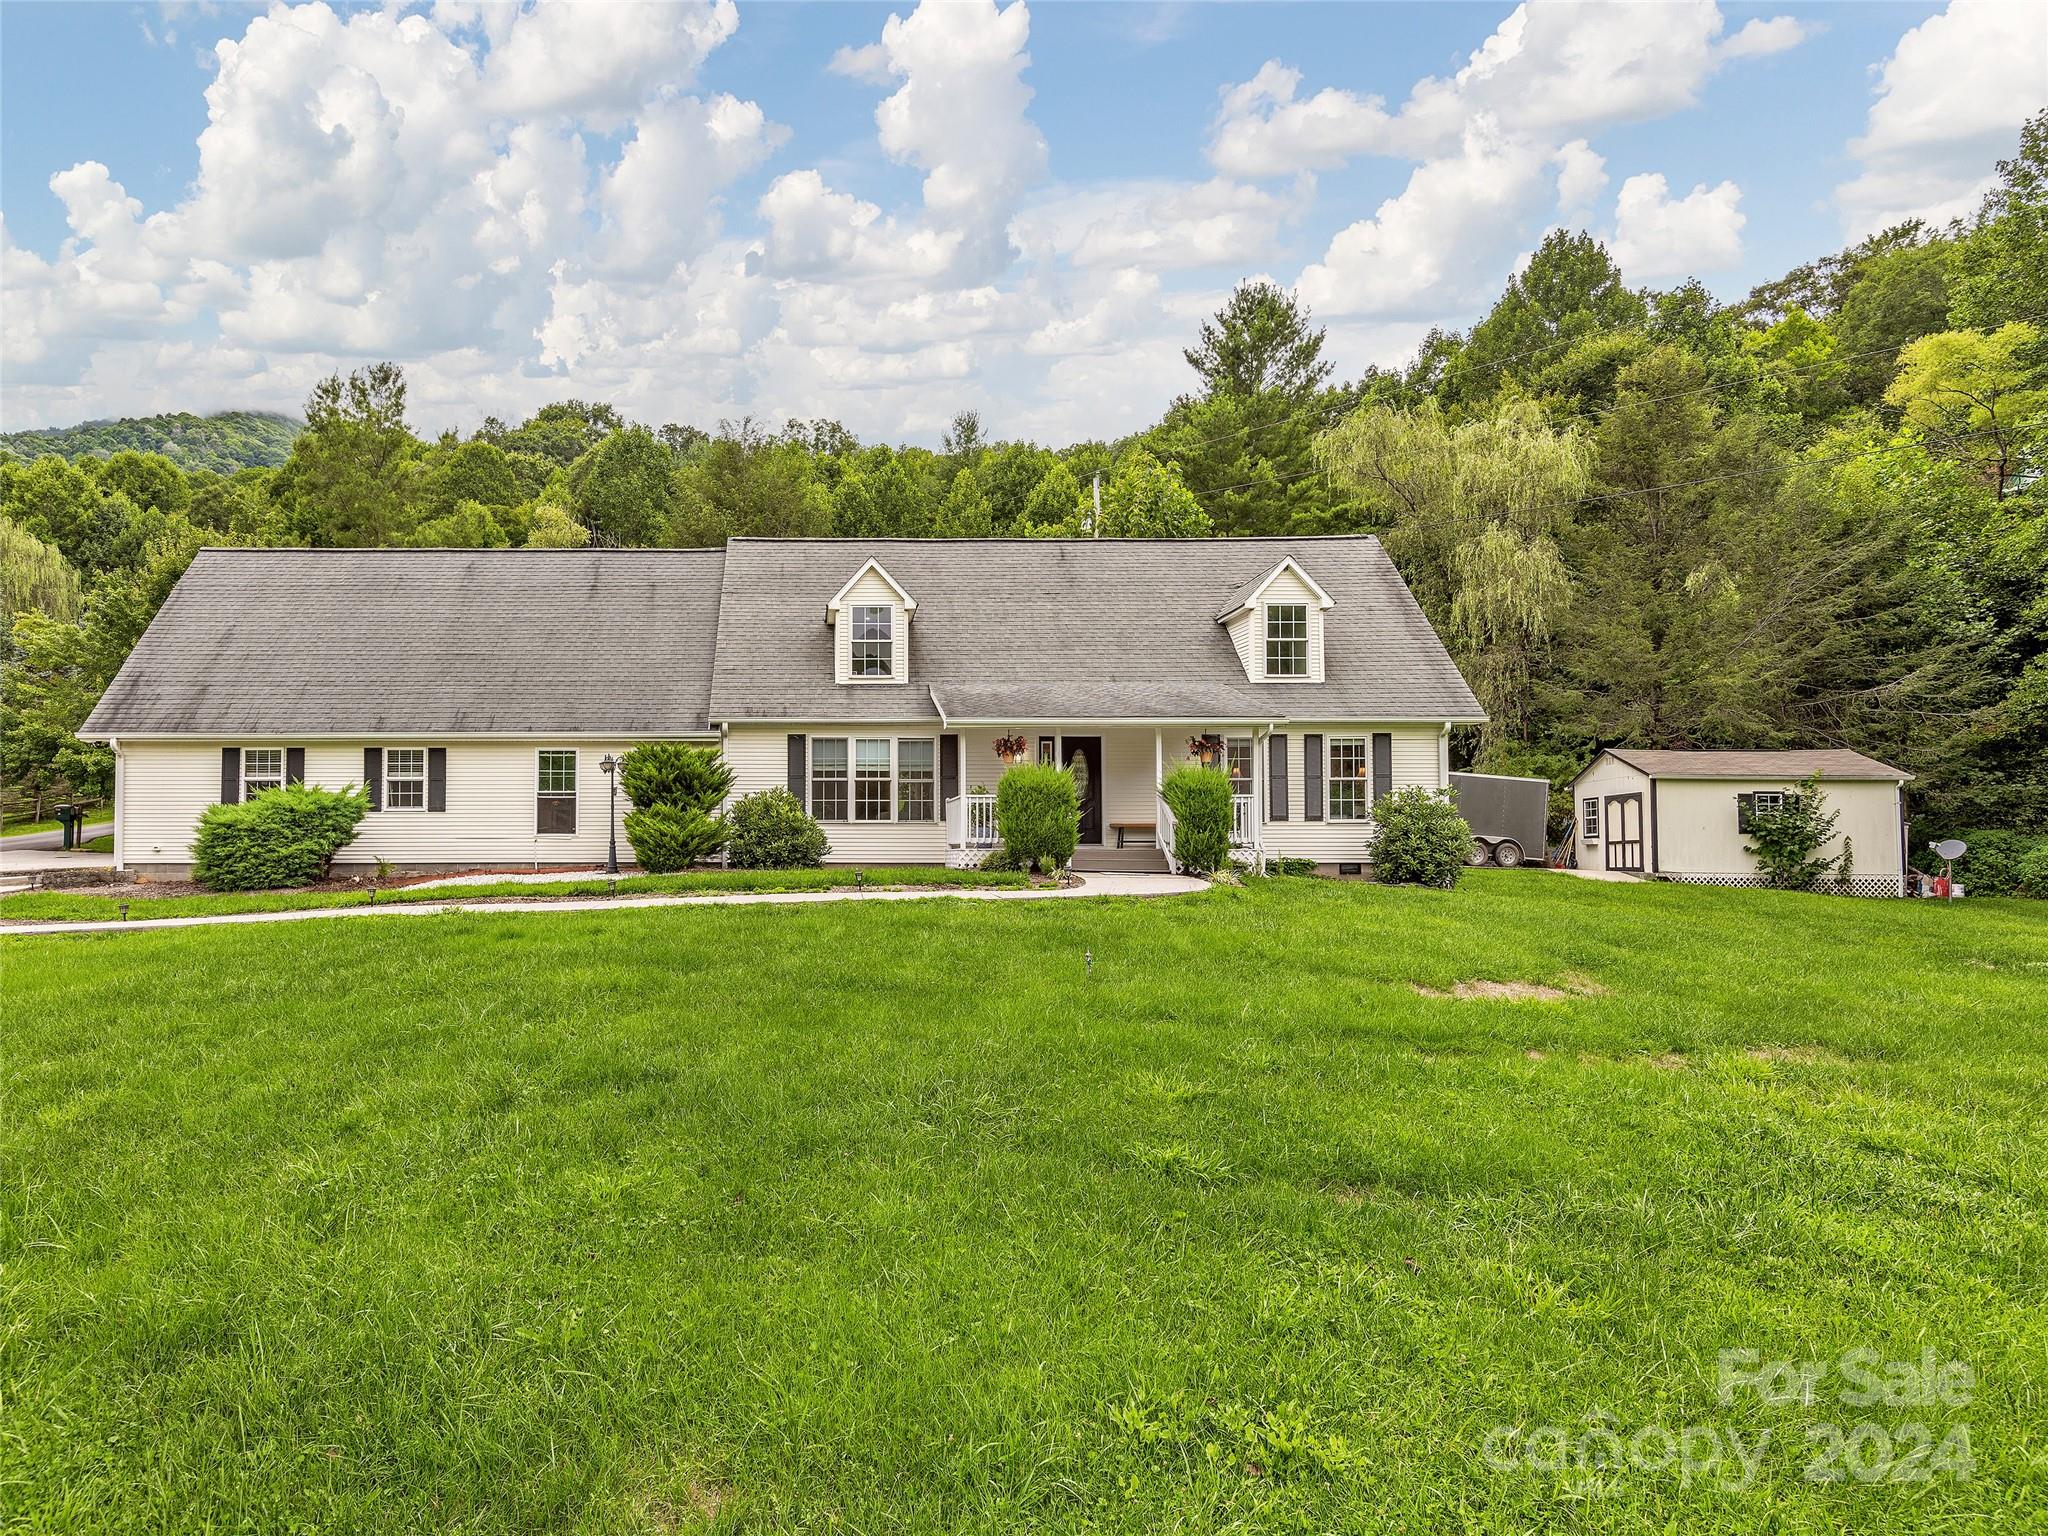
(224, 443)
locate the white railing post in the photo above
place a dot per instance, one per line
(1165, 814)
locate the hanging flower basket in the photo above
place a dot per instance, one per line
(1206, 749)
(1010, 749)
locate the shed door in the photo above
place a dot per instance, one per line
(1625, 833)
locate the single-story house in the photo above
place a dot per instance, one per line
(477, 692)
(1686, 815)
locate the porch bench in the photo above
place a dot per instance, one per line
(1126, 830)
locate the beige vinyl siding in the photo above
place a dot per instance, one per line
(1697, 827)
(1609, 776)
(759, 756)
(489, 820)
(1240, 630)
(1418, 761)
(1284, 589)
(870, 591)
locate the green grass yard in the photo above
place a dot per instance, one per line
(898, 1217)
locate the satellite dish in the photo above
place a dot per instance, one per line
(1951, 848)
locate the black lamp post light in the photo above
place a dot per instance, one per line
(610, 765)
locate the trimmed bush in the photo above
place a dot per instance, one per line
(1418, 838)
(1038, 816)
(771, 830)
(1200, 801)
(281, 837)
(667, 838)
(676, 791)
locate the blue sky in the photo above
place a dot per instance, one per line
(700, 211)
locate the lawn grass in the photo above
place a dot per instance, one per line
(1121, 1215)
(102, 817)
(83, 906)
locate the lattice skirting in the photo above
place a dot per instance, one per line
(1859, 885)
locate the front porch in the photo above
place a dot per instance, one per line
(1125, 824)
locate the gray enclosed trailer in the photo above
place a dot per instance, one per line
(1508, 817)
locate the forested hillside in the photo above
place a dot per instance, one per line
(222, 443)
(1810, 518)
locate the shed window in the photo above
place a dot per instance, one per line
(262, 768)
(1350, 781)
(1769, 802)
(554, 801)
(916, 781)
(1287, 640)
(405, 779)
(874, 645)
(1589, 817)
(828, 778)
(871, 780)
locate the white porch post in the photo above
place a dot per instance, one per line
(1158, 759)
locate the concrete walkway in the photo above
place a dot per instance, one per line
(1101, 884)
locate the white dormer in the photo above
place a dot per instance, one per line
(870, 619)
(1276, 623)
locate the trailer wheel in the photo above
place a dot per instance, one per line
(1507, 853)
(1479, 853)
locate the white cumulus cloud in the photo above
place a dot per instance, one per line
(1658, 237)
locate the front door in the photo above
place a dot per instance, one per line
(1083, 754)
(1625, 833)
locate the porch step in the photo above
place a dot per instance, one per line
(1129, 861)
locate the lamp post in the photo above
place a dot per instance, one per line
(610, 765)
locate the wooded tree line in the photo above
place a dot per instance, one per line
(1810, 518)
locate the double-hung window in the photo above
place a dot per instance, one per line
(1350, 778)
(405, 779)
(262, 768)
(874, 640)
(1287, 640)
(828, 778)
(554, 803)
(1237, 759)
(1589, 817)
(871, 779)
(917, 794)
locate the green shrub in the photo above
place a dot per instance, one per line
(1038, 815)
(770, 830)
(1290, 866)
(281, 837)
(2033, 872)
(1993, 865)
(1200, 801)
(671, 773)
(676, 791)
(1000, 860)
(1418, 838)
(1786, 843)
(667, 838)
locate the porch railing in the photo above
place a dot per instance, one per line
(970, 827)
(1244, 826)
(1165, 833)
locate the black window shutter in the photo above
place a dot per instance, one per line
(295, 765)
(1311, 778)
(437, 778)
(230, 775)
(1276, 777)
(1745, 813)
(373, 776)
(1382, 765)
(949, 770)
(796, 768)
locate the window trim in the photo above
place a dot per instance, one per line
(1251, 776)
(886, 783)
(1361, 809)
(269, 781)
(420, 779)
(574, 796)
(1306, 639)
(853, 642)
(844, 778)
(901, 781)
(1779, 799)
(1589, 818)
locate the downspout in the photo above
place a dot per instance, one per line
(120, 811)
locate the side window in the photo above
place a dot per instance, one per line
(405, 779)
(1589, 817)
(874, 644)
(555, 794)
(1350, 784)
(262, 768)
(828, 778)
(917, 779)
(1287, 640)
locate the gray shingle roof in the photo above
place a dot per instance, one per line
(318, 641)
(1075, 629)
(1829, 763)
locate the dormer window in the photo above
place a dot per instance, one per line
(874, 640)
(1287, 640)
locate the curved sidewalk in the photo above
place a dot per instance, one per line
(1103, 883)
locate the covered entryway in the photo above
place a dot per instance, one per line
(1083, 754)
(1625, 833)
